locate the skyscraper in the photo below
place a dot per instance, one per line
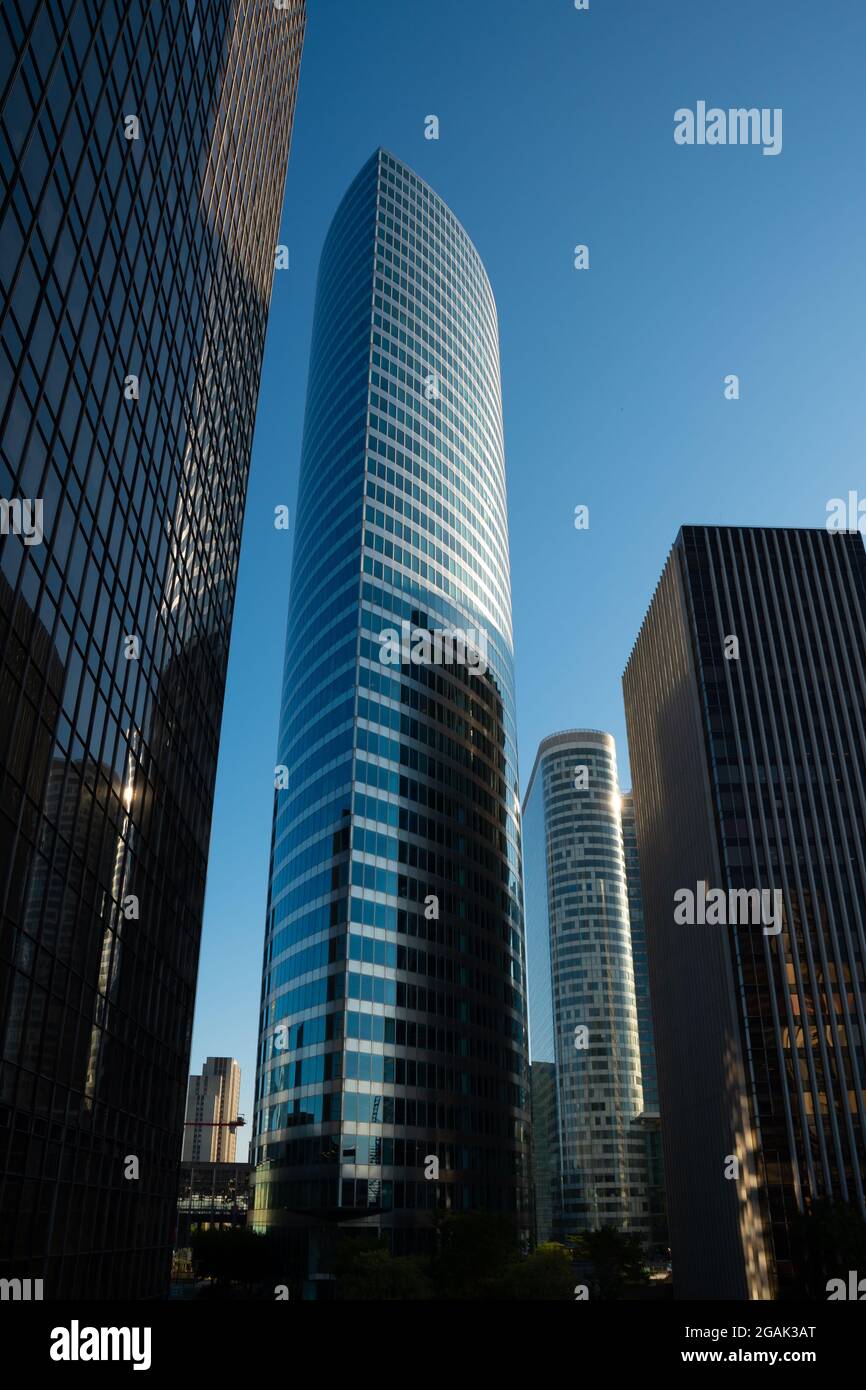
(583, 1014)
(392, 1078)
(544, 1151)
(649, 1077)
(211, 1105)
(746, 708)
(637, 932)
(144, 154)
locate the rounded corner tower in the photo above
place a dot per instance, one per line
(392, 1067)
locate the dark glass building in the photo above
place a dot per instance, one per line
(144, 153)
(649, 1120)
(746, 708)
(637, 931)
(545, 1151)
(393, 1024)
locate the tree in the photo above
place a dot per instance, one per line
(375, 1274)
(477, 1249)
(545, 1274)
(617, 1259)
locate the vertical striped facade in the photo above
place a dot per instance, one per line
(748, 766)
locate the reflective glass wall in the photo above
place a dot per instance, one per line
(144, 151)
(393, 1065)
(650, 1124)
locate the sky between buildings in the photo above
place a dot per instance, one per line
(556, 129)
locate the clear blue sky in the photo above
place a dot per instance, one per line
(556, 128)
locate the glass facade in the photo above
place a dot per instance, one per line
(211, 1195)
(144, 152)
(393, 1026)
(748, 778)
(639, 959)
(582, 987)
(649, 1124)
(545, 1150)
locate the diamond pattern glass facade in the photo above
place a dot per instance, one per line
(144, 152)
(393, 1007)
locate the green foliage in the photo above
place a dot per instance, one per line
(617, 1259)
(477, 1250)
(478, 1259)
(545, 1274)
(374, 1274)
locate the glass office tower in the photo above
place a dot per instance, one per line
(144, 153)
(545, 1150)
(583, 1014)
(747, 759)
(649, 1121)
(637, 931)
(393, 1022)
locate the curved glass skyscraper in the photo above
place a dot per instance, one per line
(393, 1067)
(583, 1014)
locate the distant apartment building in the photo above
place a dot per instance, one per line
(745, 700)
(211, 1104)
(582, 1011)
